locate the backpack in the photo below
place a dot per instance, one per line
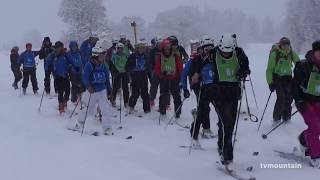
(275, 48)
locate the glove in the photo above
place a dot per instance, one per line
(186, 94)
(90, 89)
(301, 106)
(242, 74)
(272, 87)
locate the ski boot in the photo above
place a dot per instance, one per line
(162, 117)
(113, 104)
(79, 125)
(315, 163)
(35, 92)
(61, 108)
(24, 91)
(152, 104)
(195, 144)
(15, 86)
(207, 134)
(108, 132)
(131, 110)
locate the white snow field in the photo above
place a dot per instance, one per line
(37, 146)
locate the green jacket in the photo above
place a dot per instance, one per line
(281, 63)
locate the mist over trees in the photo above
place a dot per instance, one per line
(303, 23)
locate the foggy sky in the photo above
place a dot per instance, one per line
(18, 16)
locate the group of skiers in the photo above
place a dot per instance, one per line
(215, 72)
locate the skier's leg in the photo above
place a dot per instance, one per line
(288, 101)
(125, 88)
(34, 80)
(144, 94)
(278, 108)
(175, 91)
(135, 92)
(154, 87)
(164, 93)
(60, 88)
(105, 110)
(66, 90)
(312, 133)
(203, 103)
(25, 80)
(116, 87)
(47, 80)
(91, 107)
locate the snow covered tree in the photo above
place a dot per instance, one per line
(85, 18)
(303, 23)
(268, 31)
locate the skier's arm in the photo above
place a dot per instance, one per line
(270, 68)
(184, 53)
(295, 57)
(157, 67)
(179, 65)
(36, 53)
(86, 75)
(297, 79)
(184, 76)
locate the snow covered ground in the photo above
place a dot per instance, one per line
(37, 145)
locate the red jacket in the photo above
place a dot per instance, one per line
(179, 69)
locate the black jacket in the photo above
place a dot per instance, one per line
(243, 60)
(302, 72)
(131, 64)
(14, 56)
(45, 51)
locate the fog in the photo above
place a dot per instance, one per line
(18, 17)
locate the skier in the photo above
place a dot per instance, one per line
(154, 80)
(128, 48)
(168, 68)
(60, 62)
(138, 67)
(120, 76)
(178, 48)
(86, 48)
(306, 93)
(15, 68)
(279, 78)
(45, 50)
(96, 81)
(75, 72)
(27, 60)
(228, 66)
(203, 118)
(112, 50)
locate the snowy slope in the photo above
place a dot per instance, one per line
(37, 146)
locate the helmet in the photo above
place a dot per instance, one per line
(165, 43)
(173, 39)
(141, 43)
(97, 51)
(120, 45)
(284, 41)
(115, 41)
(28, 45)
(123, 36)
(206, 41)
(227, 43)
(73, 44)
(58, 44)
(16, 48)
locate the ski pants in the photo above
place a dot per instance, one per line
(168, 87)
(47, 80)
(63, 87)
(203, 118)
(282, 108)
(17, 75)
(139, 84)
(76, 87)
(30, 74)
(311, 116)
(121, 80)
(96, 99)
(154, 87)
(226, 106)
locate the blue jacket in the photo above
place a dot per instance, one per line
(27, 59)
(61, 64)
(96, 76)
(77, 67)
(86, 51)
(185, 74)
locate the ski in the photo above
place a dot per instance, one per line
(187, 147)
(94, 133)
(293, 156)
(233, 174)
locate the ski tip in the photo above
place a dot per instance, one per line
(129, 137)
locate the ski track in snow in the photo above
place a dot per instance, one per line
(37, 145)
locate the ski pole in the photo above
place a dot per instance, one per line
(195, 114)
(175, 113)
(265, 108)
(265, 136)
(121, 91)
(85, 117)
(237, 120)
(39, 109)
(74, 110)
(253, 92)
(248, 108)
